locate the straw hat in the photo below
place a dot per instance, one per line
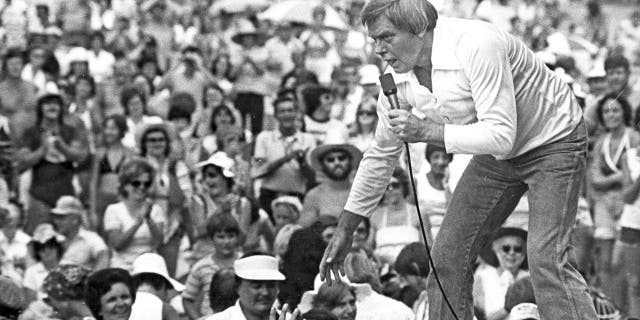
(258, 267)
(67, 205)
(247, 29)
(334, 141)
(154, 263)
(289, 200)
(487, 253)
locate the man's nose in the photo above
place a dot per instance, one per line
(380, 48)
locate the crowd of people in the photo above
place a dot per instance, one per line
(189, 159)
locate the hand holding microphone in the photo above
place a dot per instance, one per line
(404, 124)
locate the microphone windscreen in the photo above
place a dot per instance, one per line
(388, 84)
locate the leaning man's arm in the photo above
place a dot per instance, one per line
(376, 167)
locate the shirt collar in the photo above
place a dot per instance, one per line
(442, 57)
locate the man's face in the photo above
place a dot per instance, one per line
(286, 113)
(257, 297)
(401, 49)
(65, 223)
(618, 78)
(336, 164)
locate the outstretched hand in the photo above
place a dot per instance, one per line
(334, 256)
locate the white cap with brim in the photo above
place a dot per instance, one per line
(154, 263)
(220, 160)
(259, 267)
(524, 311)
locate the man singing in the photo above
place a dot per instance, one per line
(475, 89)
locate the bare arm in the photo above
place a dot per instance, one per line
(264, 168)
(102, 260)
(191, 309)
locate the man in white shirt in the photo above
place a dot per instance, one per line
(82, 247)
(476, 90)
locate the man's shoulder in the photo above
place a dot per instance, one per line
(90, 237)
(231, 313)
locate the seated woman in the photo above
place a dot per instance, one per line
(503, 263)
(109, 294)
(434, 192)
(47, 249)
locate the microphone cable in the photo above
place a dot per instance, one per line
(424, 234)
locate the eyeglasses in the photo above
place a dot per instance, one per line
(394, 185)
(367, 113)
(333, 159)
(139, 183)
(508, 249)
(153, 140)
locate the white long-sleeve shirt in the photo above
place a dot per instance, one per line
(493, 95)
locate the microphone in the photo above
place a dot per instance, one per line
(390, 90)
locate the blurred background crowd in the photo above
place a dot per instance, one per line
(187, 159)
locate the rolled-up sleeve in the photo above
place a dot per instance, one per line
(376, 167)
(485, 62)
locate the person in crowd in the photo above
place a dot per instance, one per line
(286, 210)
(503, 265)
(63, 296)
(224, 231)
(318, 102)
(629, 244)
(109, 293)
(18, 96)
(219, 198)
(84, 112)
(412, 265)
(222, 69)
(153, 284)
(394, 221)
(49, 149)
(33, 71)
(279, 156)
(250, 85)
(222, 291)
(365, 124)
(221, 119)
(171, 188)
(371, 304)
(282, 46)
(100, 60)
(184, 143)
(434, 192)
(13, 299)
(106, 164)
(47, 248)
(233, 142)
(77, 64)
(300, 261)
(609, 175)
(188, 76)
(110, 91)
(519, 292)
(134, 104)
(336, 159)
(82, 247)
(320, 47)
(133, 225)
(338, 298)
(257, 283)
(13, 241)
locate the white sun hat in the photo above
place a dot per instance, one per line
(220, 160)
(258, 267)
(154, 263)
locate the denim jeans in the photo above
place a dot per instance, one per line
(487, 193)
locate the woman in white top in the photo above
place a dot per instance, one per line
(609, 175)
(434, 192)
(394, 220)
(134, 225)
(503, 264)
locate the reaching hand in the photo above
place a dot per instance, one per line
(282, 314)
(334, 256)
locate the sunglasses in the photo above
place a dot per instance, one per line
(393, 185)
(508, 249)
(367, 113)
(333, 159)
(153, 140)
(137, 184)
